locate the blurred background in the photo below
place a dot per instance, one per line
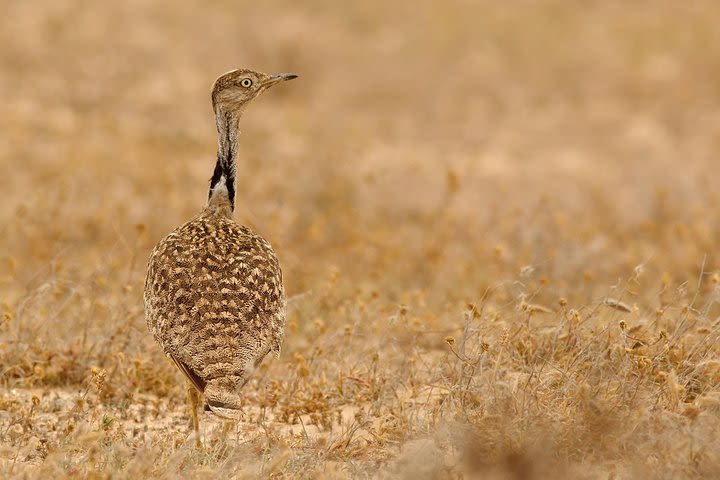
(421, 141)
(428, 152)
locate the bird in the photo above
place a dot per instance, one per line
(214, 296)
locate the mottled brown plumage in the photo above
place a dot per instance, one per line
(214, 297)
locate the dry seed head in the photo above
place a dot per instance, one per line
(691, 412)
(450, 340)
(639, 270)
(643, 363)
(453, 181)
(563, 302)
(623, 325)
(320, 325)
(532, 308)
(99, 378)
(617, 305)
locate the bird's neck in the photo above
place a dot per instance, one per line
(222, 183)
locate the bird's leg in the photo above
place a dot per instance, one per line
(228, 427)
(194, 402)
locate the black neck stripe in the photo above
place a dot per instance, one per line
(220, 172)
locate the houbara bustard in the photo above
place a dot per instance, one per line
(214, 297)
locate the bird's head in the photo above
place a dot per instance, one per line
(233, 90)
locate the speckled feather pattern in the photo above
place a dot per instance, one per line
(215, 302)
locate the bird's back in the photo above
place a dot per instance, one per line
(214, 301)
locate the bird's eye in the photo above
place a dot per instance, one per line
(246, 82)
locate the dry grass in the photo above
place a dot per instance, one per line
(501, 224)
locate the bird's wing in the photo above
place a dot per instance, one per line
(189, 374)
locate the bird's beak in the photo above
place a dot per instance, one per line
(280, 77)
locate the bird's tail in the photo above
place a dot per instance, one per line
(223, 398)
